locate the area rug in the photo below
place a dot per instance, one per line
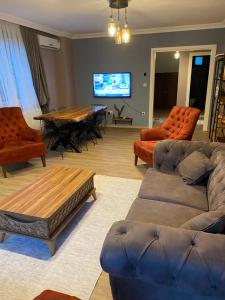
(26, 267)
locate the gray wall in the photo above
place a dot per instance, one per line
(102, 55)
(60, 74)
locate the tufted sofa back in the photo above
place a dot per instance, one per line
(216, 182)
(168, 154)
(11, 122)
(181, 123)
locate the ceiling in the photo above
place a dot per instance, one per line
(70, 17)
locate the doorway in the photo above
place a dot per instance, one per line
(211, 49)
(166, 82)
(198, 81)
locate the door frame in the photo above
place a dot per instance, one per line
(191, 55)
(211, 48)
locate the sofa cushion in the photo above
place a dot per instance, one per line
(162, 213)
(171, 188)
(195, 168)
(212, 222)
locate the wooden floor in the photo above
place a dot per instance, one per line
(112, 156)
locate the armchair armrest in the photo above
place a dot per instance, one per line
(153, 134)
(31, 134)
(189, 260)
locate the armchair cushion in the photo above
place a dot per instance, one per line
(20, 150)
(212, 222)
(153, 134)
(195, 168)
(30, 134)
(144, 150)
(1, 145)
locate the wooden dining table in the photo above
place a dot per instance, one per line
(72, 114)
(67, 116)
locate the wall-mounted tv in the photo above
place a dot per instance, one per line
(112, 85)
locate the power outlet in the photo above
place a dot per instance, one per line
(143, 113)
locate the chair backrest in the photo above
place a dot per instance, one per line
(11, 123)
(181, 122)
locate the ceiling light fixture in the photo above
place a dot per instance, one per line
(126, 31)
(111, 26)
(114, 27)
(177, 55)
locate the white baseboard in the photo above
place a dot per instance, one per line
(125, 126)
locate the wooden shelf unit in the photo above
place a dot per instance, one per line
(217, 118)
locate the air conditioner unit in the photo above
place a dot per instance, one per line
(48, 42)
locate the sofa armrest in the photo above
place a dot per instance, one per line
(153, 134)
(161, 255)
(169, 153)
(30, 134)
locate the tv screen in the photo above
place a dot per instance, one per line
(199, 60)
(112, 85)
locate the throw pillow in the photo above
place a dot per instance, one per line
(212, 222)
(195, 168)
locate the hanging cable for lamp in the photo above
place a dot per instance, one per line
(118, 37)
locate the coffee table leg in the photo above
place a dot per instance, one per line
(51, 246)
(93, 193)
(2, 237)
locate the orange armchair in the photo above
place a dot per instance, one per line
(179, 125)
(18, 142)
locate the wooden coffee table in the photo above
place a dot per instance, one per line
(45, 207)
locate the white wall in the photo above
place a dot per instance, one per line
(182, 78)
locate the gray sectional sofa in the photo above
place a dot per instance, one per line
(155, 254)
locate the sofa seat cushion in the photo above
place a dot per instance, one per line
(171, 188)
(144, 150)
(162, 213)
(19, 150)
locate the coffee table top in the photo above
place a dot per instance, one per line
(44, 196)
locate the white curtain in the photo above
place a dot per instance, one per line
(16, 86)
